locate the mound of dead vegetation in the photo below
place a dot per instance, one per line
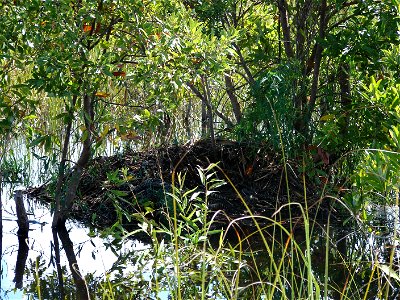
(132, 182)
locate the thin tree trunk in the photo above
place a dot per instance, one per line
(279, 41)
(284, 19)
(58, 195)
(61, 169)
(203, 120)
(68, 193)
(186, 119)
(210, 117)
(249, 76)
(71, 186)
(204, 123)
(228, 122)
(317, 65)
(230, 90)
(206, 109)
(318, 55)
(303, 9)
(345, 97)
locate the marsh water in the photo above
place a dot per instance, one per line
(354, 252)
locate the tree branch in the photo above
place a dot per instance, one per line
(283, 14)
(318, 57)
(243, 63)
(224, 118)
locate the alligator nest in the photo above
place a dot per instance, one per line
(132, 182)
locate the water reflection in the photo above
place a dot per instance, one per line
(349, 267)
(23, 229)
(39, 249)
(92, 255)
(352, 267)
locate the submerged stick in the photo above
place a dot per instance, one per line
(23, 224)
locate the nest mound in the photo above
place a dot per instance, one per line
(138, 181)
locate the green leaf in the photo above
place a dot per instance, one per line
(146, 113)
(388, 270)
(37, 141)
(201, 175)
(329, 117)
(119, 193)
(30, 117)
(85, 136)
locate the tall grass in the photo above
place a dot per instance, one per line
(193, 256)
(272, 261)
(203, 263)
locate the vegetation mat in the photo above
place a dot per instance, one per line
(141, 182)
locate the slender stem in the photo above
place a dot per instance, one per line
(317, 65)
(61, 169)
(284, 21)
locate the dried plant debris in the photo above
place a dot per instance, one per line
(141, 182)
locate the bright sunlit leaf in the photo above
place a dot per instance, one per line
(102, 94)
(389, 271)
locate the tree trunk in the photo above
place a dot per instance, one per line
(71, 185)
(284, 20)
(210, 117)
(61, 169)
(317, 65)
(230, 90)
(186, 119)
(23, 223)
(203, 120)
(303, 11)
(207, 121)
(249, 76)
(345, 97)
(204, 108)
(66, 189)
